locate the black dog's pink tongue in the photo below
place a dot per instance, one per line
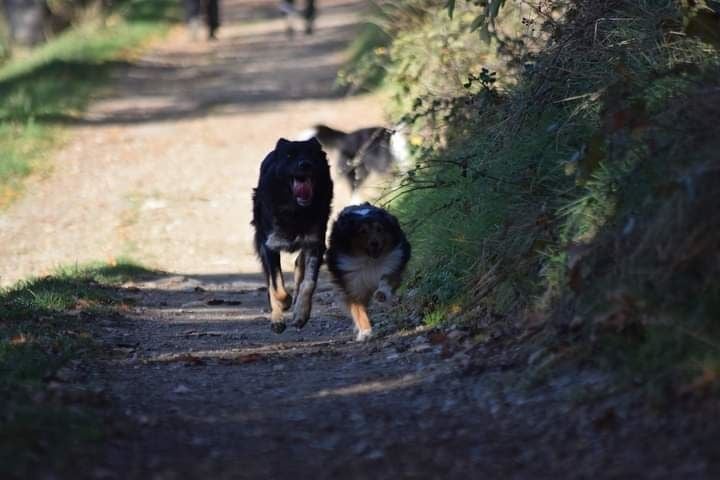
(302, 189)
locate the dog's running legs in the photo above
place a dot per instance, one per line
(299, 274)
(304, 293)
(277, 295)
(361, 319)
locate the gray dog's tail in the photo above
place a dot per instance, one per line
(328, 137)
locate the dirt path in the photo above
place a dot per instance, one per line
(199, 387)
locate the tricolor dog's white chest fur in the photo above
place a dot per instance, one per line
(362, 274)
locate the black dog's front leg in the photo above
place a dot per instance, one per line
(299, 274)
(304, 293)
(277, 295)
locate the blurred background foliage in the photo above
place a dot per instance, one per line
(29, 23)
(44, 86)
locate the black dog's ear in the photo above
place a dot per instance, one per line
(315, 143)
(282, 143)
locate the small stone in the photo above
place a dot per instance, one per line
(65, 374)
(535, 357)
(181, 389)
(423, 347)
(456, 335)
(576, 322)
(193, 304)
(375, 454)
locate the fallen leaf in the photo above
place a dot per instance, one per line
(703, 382)
(82, 304)
(19, 339)
(190, 360)
(606, 420)
(249, 358)
(241, 359)
(436, 338)
(624, 315)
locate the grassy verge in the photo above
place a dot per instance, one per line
(54, 83)
(46, 418)
(572, 193)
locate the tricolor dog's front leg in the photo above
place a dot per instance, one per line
(304, 292)
(384, 291)
(363, 328)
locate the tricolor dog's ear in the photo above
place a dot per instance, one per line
(347, 221)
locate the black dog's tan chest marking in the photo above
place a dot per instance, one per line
(279, 242)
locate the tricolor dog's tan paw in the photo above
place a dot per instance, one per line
(363, 335)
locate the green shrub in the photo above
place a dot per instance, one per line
(574, 186)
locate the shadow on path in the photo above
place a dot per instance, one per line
(252, 67)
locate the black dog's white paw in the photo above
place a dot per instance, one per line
(299, 321)
(303, 303)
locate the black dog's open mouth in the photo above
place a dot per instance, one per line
(302, 188)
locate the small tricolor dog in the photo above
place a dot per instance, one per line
(367, 255)
(291, 208)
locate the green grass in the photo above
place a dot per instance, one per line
(54, 83)
(43, 326)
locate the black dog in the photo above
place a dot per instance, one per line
(367, 256)
(372, 149)
(291, 207)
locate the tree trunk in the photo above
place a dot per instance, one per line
(26, 21)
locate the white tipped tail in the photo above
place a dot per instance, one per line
(400, 149)
(306, 134)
